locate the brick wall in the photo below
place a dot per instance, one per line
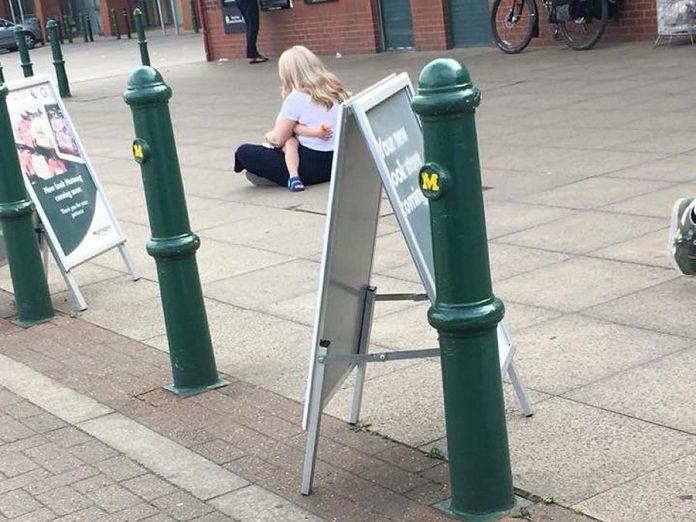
(348, 26)
(352, 26)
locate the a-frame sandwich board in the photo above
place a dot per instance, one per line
(379, 144)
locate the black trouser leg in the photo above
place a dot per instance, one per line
(250, 13)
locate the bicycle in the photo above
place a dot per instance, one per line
(515, 22)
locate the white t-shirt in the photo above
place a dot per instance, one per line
(298, 106)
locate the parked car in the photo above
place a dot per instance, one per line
(32, 33)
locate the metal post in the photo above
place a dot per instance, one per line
(83, 24)
(142, 41)
(194, 16)
(58, 61)
(2, 75)
(465, 313)
(175, 19)
(43, 38)
(161, 19)
(27, 67)
(115, 29)
(61, 37)
(88, 20)
(126, 21)
(68, 23)
(173, 245)
(32, 297)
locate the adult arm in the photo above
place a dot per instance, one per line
(281, 132)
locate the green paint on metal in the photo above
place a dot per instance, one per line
(142, 41)
(27, 68)
(172, 245)
(32, 297)
(470, 22)
(58, 61)
(115, 29)
(465, 313)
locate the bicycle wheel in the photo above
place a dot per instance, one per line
(584, 33)
(512, 23)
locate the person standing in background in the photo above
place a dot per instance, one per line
(250, 13)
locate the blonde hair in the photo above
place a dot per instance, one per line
(301, 69)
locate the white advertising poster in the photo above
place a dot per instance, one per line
(59, 178)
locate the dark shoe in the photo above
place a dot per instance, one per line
(258, 59)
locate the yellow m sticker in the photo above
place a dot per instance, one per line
(430, 181)
(138, 151)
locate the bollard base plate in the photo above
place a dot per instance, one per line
(446, 507)
(187, 392)
(33, 322)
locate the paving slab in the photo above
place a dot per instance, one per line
(573, 452)
(669, 380)
(665, 495)
(580, 282)
(571, 352)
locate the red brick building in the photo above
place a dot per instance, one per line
(368, 26)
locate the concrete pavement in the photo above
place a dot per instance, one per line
(584, 154)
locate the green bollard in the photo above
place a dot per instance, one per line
(83, 23)
(27, 67)
(2, 75)
(68, 28)
(142, 41)
(58, 61)
(115, 30)
(194, 16)
(173, 245)
(32, 297)
(465, 313)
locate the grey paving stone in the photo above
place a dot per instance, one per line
(254, 503)
(170, 460)
(665, 495)
(663, 308)
(64, 500)
(667, 385)
(17, 503)
(120, 468)
(92, 451)
(40, 515)
(131, 514)
(573, 351)
(22, 410)
(92, 484)
(149, 486)
(53, 459)
(181, 506)
(592, 230)
(113, 498)
(15, 464)
(44, 423)
(49, 482)
(219, 451)
(573, 452)
(86, 515)
(12, 430)
(22, 481)
(580, 283)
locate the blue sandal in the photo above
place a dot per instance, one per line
(295, 184)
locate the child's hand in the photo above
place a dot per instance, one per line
(325, 132)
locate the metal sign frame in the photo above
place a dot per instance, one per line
(339, 347)
(65, 265)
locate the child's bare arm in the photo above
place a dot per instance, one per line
(323, 132)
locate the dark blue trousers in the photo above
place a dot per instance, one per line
(250, 13)
(315, 166)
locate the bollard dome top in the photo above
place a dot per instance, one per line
(445, 87)
(146, 86)
(51, 23)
